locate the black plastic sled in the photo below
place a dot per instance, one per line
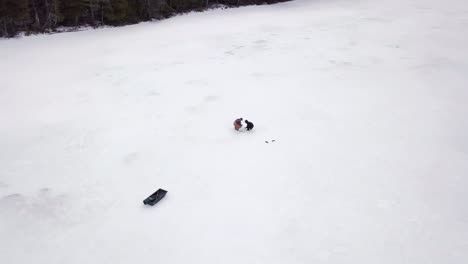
(155, 197)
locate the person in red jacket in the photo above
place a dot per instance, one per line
(238, 124)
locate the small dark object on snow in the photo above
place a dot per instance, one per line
(266, 141)
(155, 197)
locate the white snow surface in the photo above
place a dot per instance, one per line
(366, 101)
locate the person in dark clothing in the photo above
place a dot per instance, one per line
(250, 125)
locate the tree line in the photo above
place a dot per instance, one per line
(34, 16)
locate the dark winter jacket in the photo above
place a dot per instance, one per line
(250, 125)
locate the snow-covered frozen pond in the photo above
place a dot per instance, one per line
(366, 101)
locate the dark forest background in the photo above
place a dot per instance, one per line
(36, 16)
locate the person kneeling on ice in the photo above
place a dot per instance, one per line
(237, 123)
(241, 125)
